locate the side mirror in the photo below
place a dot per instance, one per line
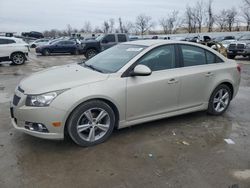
(141, 70)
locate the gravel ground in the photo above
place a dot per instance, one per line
(185, 151)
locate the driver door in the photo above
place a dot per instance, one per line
(157, 93)
(108, 41)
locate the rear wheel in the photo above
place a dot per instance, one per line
(91, 123)
(90, 53)
(219, 100)
(46, 52)
(33, 46)
(18, 58)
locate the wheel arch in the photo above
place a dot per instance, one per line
(109, 102)
(16, 53)
(227, 83)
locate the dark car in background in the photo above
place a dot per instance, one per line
(61, 46)
(33, 34)
(102, 42)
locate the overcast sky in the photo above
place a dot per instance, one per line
(34, 15)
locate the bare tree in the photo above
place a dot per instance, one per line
(111, 24)
(190, 20)
(210, 16)
(106, 27)
(231, 18)
(87, 27)
(120, 25)
(198, 14)
(221, 20)
(245, 11)
(143, 23)
(128, 27)
(247, 2)
(169, 24)
(69, 30)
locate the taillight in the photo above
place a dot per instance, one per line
(239, 68)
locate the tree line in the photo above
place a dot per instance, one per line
(198, 18)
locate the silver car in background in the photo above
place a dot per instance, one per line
(128, 84)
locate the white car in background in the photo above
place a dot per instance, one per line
(13, 49)
(39, 42)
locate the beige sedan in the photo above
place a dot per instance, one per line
(128, 84)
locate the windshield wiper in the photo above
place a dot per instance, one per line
(92, 67)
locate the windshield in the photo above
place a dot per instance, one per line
(113, 59)
(99, 38)
(246, 37)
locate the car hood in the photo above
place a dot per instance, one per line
(60, 77)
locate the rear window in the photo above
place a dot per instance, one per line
(122, 38)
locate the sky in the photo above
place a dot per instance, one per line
(33, 15)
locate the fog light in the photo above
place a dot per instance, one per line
(36, 127)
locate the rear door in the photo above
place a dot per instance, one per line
(196, 75)
(6, 47)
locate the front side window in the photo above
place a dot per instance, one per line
(113, 59)
(160, 58)
(193, 55)
(109, 38)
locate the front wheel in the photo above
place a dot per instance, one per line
(18, 58)
(91, 123)
(90, 53)
(219, 100)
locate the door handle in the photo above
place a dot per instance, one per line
(209, 74)
(172, 81)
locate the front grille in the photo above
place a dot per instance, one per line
(240, 46)
(232, 46)
(16, 100)
(236, 47)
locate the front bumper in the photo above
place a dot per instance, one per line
(54, 136)
(22, 114)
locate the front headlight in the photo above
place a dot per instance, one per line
(43, 99)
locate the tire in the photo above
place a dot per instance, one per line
(90, 53)
(18, 58)
(231, 56)
(83, 125)
(46, 52)
(33, 46)
(219, 100)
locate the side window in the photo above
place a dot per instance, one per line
(193, 55)
(2, 41)
(212, 58)
(6, 41)
(122, 38)
(160, 58)
(109, 38)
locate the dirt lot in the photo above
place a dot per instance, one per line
(185, 151)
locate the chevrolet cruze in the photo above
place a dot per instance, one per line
(128, 84)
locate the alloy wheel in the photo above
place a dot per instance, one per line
(93, 124)
(221, 100)
(18, 59)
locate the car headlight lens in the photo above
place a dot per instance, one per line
(43, 99)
